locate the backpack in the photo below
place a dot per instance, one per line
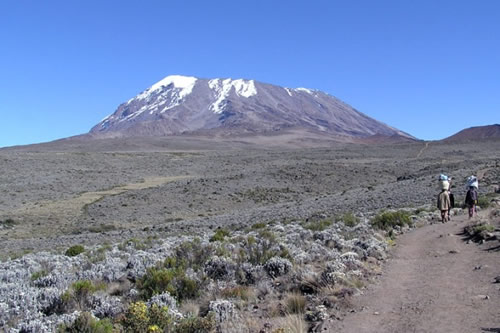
(473, 195)
(452, 200)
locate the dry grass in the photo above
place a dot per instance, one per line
(190, 308)
(244, 293)
(295, 303)
(68, 210)
(292, 323)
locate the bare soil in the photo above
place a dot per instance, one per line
(436, 281)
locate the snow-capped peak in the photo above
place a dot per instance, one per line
(222, 88)
(184, 84)
(181, 82)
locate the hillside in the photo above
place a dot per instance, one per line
(476, 133)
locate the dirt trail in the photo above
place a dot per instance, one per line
(435, 282)
(423, 149)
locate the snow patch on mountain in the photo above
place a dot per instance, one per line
(183, 85)
(309, 91)
(170, 92)
(222, 89)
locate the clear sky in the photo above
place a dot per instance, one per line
(427, 67)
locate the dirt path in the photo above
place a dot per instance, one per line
(423, 149)
(435, 282)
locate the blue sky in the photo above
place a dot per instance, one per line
(430, 68)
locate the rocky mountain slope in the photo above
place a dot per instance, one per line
(181, 104)
(476, 133)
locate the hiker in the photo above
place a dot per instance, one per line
(471, 200)
(452, 199)
(443, 202)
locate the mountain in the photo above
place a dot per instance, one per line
(188, 105)
(476, 133)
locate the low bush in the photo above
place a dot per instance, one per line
(87, 323)
(140, 318)
(389, 220)
(219, 235)
(79, 292)
(483, 227)
(318, 225)
(258, 251)
(39, 274)
(74, 250)
(173, 280)
(136, 318)
(197, 325)
(260, 225)
(484, 201)
(8, 223)
(350, 219)
(193, 254)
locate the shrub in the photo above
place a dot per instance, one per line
(193, 254)
(136, 318)
(172, 280)
(259, 225)
(389, 220)
(39, 274)
(74, 250)
(350, 219)
(87, 323)
(219, 235)
(159, 317)
(9, 223)
(258, 251)
(81, 290)
(318, 225)
(484, 201)
(196, 325)
(140, 318)
(483, 227)
(78, 294)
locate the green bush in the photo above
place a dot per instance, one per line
(140, 318)
(483, 227)
(484, 201)
(219, 235)
(259, 225)
(389, 220)
(196, 325)
(78, 293)
(9, 223)
(259, 250)
(39, 274)
(74, 250)
(318, 225)
(88, 324)
(193, 254)
(350, 219)
(136, 318)
(173, 280)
